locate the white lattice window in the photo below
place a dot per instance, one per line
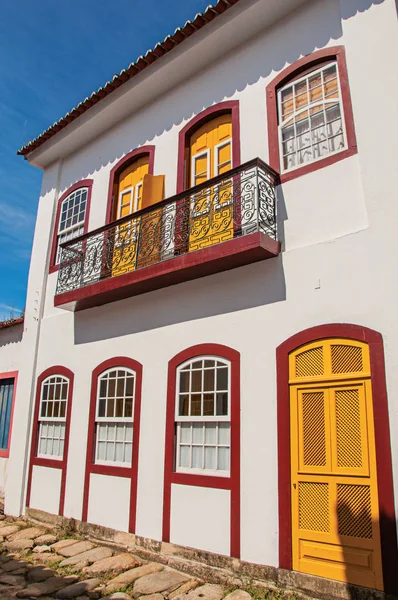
(114, 417)
(311, 121)
(203, 416)
(52, 417)
(72, 217)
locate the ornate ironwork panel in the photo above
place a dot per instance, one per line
(239, 202)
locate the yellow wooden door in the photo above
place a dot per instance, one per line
(129, 200)
(335, 514)
(210, 154)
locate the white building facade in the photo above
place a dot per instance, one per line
(218, 370)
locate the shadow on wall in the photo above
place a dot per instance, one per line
(239, 289)
(244, 67)
(11, 335)
(360, 524)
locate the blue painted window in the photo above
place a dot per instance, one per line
(6, 395)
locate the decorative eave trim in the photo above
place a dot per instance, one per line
(162, 48)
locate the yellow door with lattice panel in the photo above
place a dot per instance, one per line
(210, 154)
(129, 200)
(335, 513)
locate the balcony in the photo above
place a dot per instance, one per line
(226, 222)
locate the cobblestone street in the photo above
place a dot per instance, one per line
(38, 562)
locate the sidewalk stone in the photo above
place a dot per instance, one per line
(183, 589)
(78, 589)
(50, 586)
(208, 591)
(91, 556)
(41, 549)
(12, 579)
(48, 557)
(152, 597)
(13, 565)
(37, 574)
(27, 534)
(18, 545)
(6, 531)
(238, 595)
(123, 596)
(158, 582)
(117, 563)
(62, 544)
(132, 575)
(46, 539)
(74, 549)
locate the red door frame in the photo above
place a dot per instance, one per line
(388, 530)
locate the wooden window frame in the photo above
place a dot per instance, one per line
(388, 531)
(122, 164)
(115, 470)
(304, 66)
(84, 183)
(5, 453)
(53, 463)
(230, 482)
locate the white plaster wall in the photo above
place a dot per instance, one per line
(200, 518)
(45, 490)
(109, 501)
(338, 229)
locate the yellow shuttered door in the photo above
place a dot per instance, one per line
(335, 515)
(137, 242)
(210, 154)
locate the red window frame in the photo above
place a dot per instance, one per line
(122, 164)
(388, 531)
(49, 462)
(313, 60)
(231, 483)
(84, 183)
(10, 375)
(115, 471)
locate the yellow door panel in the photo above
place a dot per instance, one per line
(129, 200)
(212, 210)
(150, 233)
(335, 514)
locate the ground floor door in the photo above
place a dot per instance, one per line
(335, 513)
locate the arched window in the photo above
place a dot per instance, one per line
(52, 417)
(310, 120)
(114, 417)
(72, 218)
(203, 416)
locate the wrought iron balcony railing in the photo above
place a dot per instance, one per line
(236, 203)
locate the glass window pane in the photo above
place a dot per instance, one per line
(110, 409)
(210, 457)
(222, 379)
(55, 447)
(111, 388)
(224, 430)
(128, 407)
(129, 433)
(208, 404)
(208, 383)
(185, 433)
(102, 390)
(45, 391)
(196, 381)
(130, 385)
(128, 453)
(43, 409)
(101, 408)
(109, 454)
(184, 456)
(111, 431)
(222, 404)
(183, 410)
(56, 409)
(62, 410)
(119, 452)
(209, 363)
(197, 433)
(57, 395)
(197, 454)
(101, 448)
(120, 388)
(223, 459)
(119, 407)
(196, 405)
(197, 364)
(210, 433)
(184, 381)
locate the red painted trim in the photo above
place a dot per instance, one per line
(88, 183)
(382, 438)
(232, 482)
(91, 467)
(311, 60)
(214, 259)
(48, 462)
(120, 166)
(208, 114)
(10, 375)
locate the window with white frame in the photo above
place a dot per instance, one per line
(72, 217)
(52, 417)
(311, 121)
(114, 417)
(203, 427)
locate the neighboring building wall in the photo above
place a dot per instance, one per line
(336, 266)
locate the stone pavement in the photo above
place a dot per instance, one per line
(38, 563)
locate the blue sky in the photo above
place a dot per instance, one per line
(54, 53)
